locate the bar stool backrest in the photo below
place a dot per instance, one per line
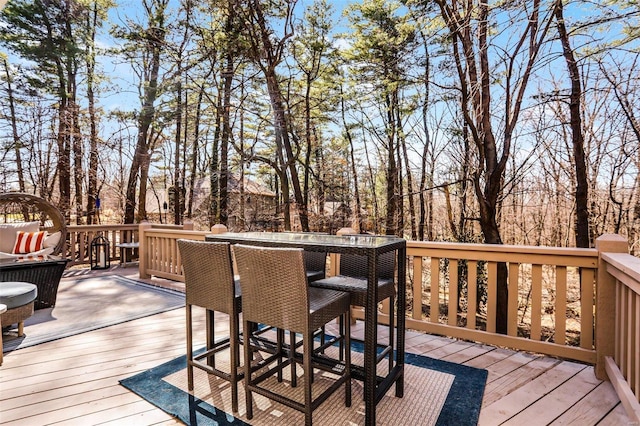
(354, 265)
(274, 286)
(208, 274)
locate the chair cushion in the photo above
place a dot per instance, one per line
(315, 275)
(326, 305)
(44, 252)
(356, 287)
(15, 293)
(8, 233)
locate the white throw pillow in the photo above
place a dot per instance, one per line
(8, 232)
(51, 240)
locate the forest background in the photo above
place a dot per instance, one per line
(509, 122)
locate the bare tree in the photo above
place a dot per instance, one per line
(575, 102)
(267, 52)
(151, 41)
(472, 45)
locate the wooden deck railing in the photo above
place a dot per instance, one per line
(80, 236)
(563, 302)
(159, 253)
(452, 291)
(623, 366)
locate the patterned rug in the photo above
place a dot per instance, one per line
(90, 303)
(436, 393)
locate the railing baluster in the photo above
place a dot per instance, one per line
(619, 294)
(587, 280)
(472, 293)
(514, 277)
(417, 288)
(624, 328)
(536, 302)
(631, 355)
(492, 296)
(174, 256)
(453, 292)
(635, 379)
(561, 306)
(434, 315)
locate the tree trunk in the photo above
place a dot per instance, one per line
(92, 183)
(391, 222)
(426, 203)
(64, 160)
(177, 200)
(412, 207)
(267, 56)
(194, 153)
(14, 127)
(577, 139)
(226, 139)
(78, 170)
(356, 192)
(154, 36)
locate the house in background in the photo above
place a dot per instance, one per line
(253, 207)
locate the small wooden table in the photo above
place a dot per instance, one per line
(124, 248)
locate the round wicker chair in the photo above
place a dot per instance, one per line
(20, 207)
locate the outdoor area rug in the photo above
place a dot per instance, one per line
(90, 303)
(436, 393)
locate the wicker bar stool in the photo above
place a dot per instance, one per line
(353, 280)
(276, 293)
(315, 263)
(209, 283)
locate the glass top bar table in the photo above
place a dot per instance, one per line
(370, 246)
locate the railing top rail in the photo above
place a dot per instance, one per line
(165, 226)
(128, 226)
(165, 231)
(627, 268)
(503, 248)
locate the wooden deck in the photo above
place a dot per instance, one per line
(74, 381)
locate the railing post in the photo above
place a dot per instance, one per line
(142, 251)
(187, 225)
(606, 301)
(218, 229)
(334, 259)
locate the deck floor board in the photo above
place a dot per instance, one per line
(74, 381)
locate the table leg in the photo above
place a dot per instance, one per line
(401, 319)
(123, 257)
(370, 342)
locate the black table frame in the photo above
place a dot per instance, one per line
(371, 247)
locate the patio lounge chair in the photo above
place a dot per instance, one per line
(29, 214)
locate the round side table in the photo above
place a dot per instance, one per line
(3, 309)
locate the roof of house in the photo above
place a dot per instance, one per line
(250, 187)
(233, 185)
